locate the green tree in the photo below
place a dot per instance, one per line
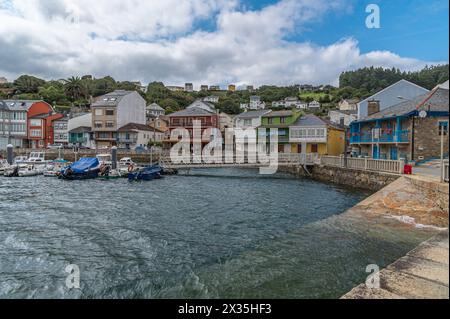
(75, 88)
(28, 84)
(170, 105)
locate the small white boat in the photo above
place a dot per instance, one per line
(31, 170)
(54, 168)
(104, 159)
(20, 160)
(36, 158)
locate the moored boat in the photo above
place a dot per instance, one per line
(54, 168)
(85, 168)
(146, 174)
(31, 170)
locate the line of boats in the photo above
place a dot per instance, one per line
(85, 168)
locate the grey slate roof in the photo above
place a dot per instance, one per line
(155, 107)
(195, 111)
(252, 114)
(310, 120)
(111, 99)
(20, 105)
(279, 113)
(437, 101)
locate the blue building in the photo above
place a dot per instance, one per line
(411, 129)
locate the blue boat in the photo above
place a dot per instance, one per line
(85, 168)
(146, 174)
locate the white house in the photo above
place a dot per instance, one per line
(80, 131)
(314, 105)
(250, 119)
(342, 118)
(290, 102)
(155, 110)
(211, 99)
(390, 96)
(135, 135)
(348, 105)
(60, 131)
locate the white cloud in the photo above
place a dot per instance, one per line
(163, 43)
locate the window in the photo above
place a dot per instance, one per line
(110, 124)
(282, 120)
(35, 122)
(247, 122)
(98, 124)
(98, 112)
(314, 148)
(109, 112)
(270, 120)
(35, 133)
(443, 128)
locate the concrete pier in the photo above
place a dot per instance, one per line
(421, 274)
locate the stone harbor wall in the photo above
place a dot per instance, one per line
(343, 176)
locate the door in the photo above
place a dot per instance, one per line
(314, 148)
(299, 148)
(394, 153)
(375, 154)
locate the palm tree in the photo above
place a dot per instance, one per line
(75, 88)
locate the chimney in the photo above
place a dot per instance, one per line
(373, 107)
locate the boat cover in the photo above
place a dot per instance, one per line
(84, 165)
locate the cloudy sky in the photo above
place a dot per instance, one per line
(217, 41)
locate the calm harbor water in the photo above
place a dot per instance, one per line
(215, 234)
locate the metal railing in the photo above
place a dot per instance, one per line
(369, 137)
(364, 164)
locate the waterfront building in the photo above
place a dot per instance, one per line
(133, 135)
(113, 111)
(410, 130)
(14, 120)
(348, 105)
(250, 119)
(189, 87)
(311, 134)
(390, 96)
(225, 122)
(280, 120)
(60, 131)
(155, 110)
(343, 118)
(80, 131)
(211, 99)
(40, 130)
(201, 111)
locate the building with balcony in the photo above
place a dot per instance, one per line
(281, 121)
(155, 110)
(113, 111)
(14, 120)
(200, 111)
(133, 136)
(311, 134)
(410, 130)
(41, 131)
(80, 131)
(389, 96)
(60, 131)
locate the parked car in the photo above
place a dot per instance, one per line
(55, 147)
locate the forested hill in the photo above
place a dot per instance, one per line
(374, 79)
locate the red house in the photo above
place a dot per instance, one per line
(203, 112)
(40, 116)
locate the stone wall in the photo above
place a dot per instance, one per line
(343, 176)
(427, 141)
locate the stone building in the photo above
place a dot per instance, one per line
(410, 130)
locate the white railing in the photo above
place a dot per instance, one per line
(364, 164)
(445, 177)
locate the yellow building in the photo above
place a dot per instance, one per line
(311, 134)
(232, 88)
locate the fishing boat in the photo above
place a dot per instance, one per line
(36, 158)
(146, 174)
(85, 168)
(54, 168)
(106, 172)
(20, 160)
(13, 170)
